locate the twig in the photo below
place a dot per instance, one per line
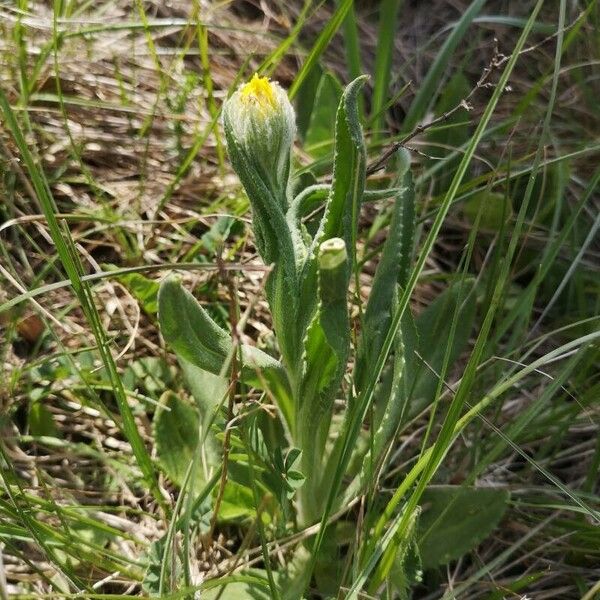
(233, 319)
(380, 162)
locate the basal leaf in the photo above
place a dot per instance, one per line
(195, 337)
(207, 389)
(433, 328)
(454, 520)
(176, 426)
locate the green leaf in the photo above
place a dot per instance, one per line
(349, 166)
(433, 328)
(190, 330)
(195, 337)
(401, 558)
(237, 503)
(288, 479)
(326, 351)
(456, 519)
(495, 207)
(392, 398)
(407, 570)
(207, 389)
(392, 270)
(175, 427)
(321, 131)
(144, 290)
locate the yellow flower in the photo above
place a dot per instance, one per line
(261, 92)
(259, 124)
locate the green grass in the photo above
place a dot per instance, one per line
(114, 174)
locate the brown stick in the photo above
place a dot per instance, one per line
(233, 379)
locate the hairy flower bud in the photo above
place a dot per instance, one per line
(260, 121)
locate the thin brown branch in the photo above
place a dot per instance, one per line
(233, 380)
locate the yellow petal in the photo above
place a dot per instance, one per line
(260, 91)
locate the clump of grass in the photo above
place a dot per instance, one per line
(114, 477)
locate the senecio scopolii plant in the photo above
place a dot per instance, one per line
(313, 259)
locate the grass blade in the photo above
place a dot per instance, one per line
(69, 260)
(322, 42)
(388, 21)
(427, 89)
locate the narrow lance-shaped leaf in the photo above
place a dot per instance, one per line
(392, 270)
(342, 207)
(326, 350)
(391, 412)
(349, 171)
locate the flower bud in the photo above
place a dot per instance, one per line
(259, 120)
(333, 271)
(332, 254)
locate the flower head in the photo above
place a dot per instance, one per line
(259, 124)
